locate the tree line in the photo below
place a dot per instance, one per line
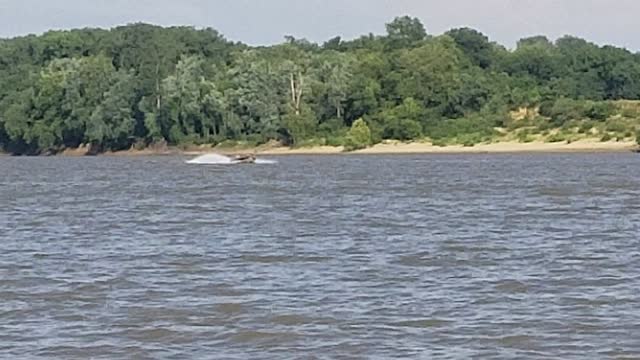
(140, 85)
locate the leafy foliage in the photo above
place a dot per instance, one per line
(141, 85)
(359, 136)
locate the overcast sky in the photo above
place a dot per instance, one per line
(268, 21)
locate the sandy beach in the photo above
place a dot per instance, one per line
(427, 148)
(388, 148)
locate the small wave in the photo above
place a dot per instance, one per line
(424, 323)
(263, 337)
(211, 159)
(265, 161)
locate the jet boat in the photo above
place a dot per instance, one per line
(244, 159)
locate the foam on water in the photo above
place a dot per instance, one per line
(217, 159)
(265, 161)
(211, 159)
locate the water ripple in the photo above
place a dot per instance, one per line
(474, 256)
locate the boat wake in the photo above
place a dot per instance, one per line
(217, 159)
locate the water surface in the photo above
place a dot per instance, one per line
(433, 256)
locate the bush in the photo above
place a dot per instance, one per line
(312, 142)
(470, 140)
(546, 108)
(563, 110)
(631, 113)
(439, 142)
(558, 137)
(605, 138)
(601, 111)
(481, 126)
(585, 127)
(525, 137)
(300, 126)
(331, 127)
(402, 129)
(543, 124)
(336, 140)
(139, 144)
(253, 140)
(617, 126)
(638, 137)
(227, 144)
(359, 136)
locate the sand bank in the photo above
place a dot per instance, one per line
(390, 148)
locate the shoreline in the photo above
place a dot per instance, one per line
(385, 148)
(399, 148)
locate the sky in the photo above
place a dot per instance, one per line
(263, 22)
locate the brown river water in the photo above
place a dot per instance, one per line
(326, 257)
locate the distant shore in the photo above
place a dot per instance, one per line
(394, 147)
(385, 148)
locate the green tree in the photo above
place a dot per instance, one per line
(475, 45)
(301, 125)
(142, 84)
(257, 94)
(430, 74)
(359, 136)
(405, 31)
(403, 122)
(194, 105)
(112, 123)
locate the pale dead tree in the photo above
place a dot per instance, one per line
(296, 81)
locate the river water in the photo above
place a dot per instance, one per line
(376, 257)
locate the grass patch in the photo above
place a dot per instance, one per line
(557, 137)
(525, 138)
(605, 138)
(313, 142)
(439, 142)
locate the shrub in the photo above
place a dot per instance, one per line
(300, 126)
(336, 141)
(312, 142)
(601, 110)
(525, 137)
(402, 129)
(482, 126)
(616, 126)
(470, 140)
(359, 136)
(227, 144)
(585, 127)
(331, 127)
(439, 142)
(631, 113)
(605, 138)
(140, 144)
(558, 137)
(563, 110)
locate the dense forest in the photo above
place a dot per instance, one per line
(141, 85)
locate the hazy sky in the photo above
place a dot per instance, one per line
(267, 21)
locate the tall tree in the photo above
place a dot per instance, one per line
(475, 45)
(405, 31)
